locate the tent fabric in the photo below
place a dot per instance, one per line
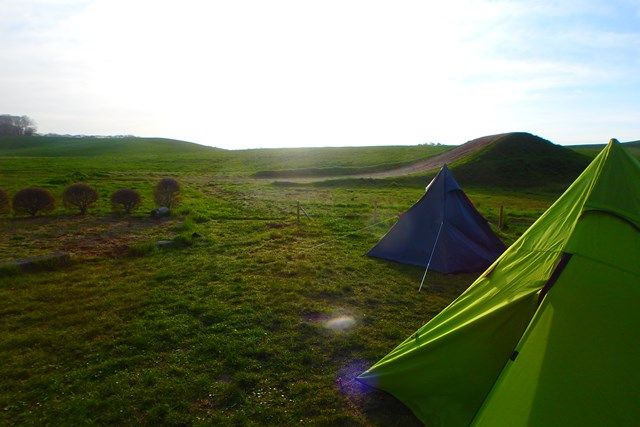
(442, 226)
(496, 356)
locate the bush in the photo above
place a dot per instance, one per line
(80, 196)
(33, 200)
(167, 192)
(125, 199)
(4, 202)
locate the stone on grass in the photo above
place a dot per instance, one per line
(163, 244)
(160, 212)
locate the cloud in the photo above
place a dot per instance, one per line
(249, 73)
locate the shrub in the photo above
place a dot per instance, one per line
(80, 196)
(167, 192)
(125, 199)
(4, 202)
(33, 200)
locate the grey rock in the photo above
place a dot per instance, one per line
(162, 244)
(160, 212)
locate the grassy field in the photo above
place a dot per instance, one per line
(158, 154)
(228, 328)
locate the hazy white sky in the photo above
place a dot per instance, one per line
(273, 73)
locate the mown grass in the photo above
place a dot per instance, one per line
(228, 328)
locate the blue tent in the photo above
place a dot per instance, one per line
(442, 231)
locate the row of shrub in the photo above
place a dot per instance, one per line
(81, 196)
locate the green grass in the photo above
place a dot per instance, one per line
(227, 328)
(60, 146)
(341, 161)
(103, 155)
(513, 162)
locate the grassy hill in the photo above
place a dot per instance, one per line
(66, 156)
(335, 161)
(513, 161)
(62, 146)
(160, 154)
(520, 160)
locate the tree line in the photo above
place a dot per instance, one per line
(82, 196)
(16, 125)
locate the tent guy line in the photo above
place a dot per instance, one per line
(430, 256)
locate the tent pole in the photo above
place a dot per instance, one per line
(431, 256)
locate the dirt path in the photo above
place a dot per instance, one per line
(421, 166)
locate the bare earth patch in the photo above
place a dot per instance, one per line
(83, 237)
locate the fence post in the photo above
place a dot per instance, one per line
(298, 212)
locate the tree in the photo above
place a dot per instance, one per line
(80, 196)
(125, 199)
(16, 125)
(4, 202)
(33, 200)
(167, 192)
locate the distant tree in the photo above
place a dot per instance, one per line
(4, 202)
(16, 125)
(33, 200)
(125, 199)
(167, 192)
(80, 196)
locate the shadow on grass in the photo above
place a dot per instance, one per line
(378, 407)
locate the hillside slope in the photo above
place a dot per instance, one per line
(336, 161)
(519, 160)
(434, 158)
(516, 160)
(62, 146)
(510, 160)
(165, 154)
(435, 162)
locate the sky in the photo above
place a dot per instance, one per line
(289, 73)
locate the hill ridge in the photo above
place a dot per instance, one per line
(507, 160)
(61, 146)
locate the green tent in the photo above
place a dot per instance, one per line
(550, 333)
